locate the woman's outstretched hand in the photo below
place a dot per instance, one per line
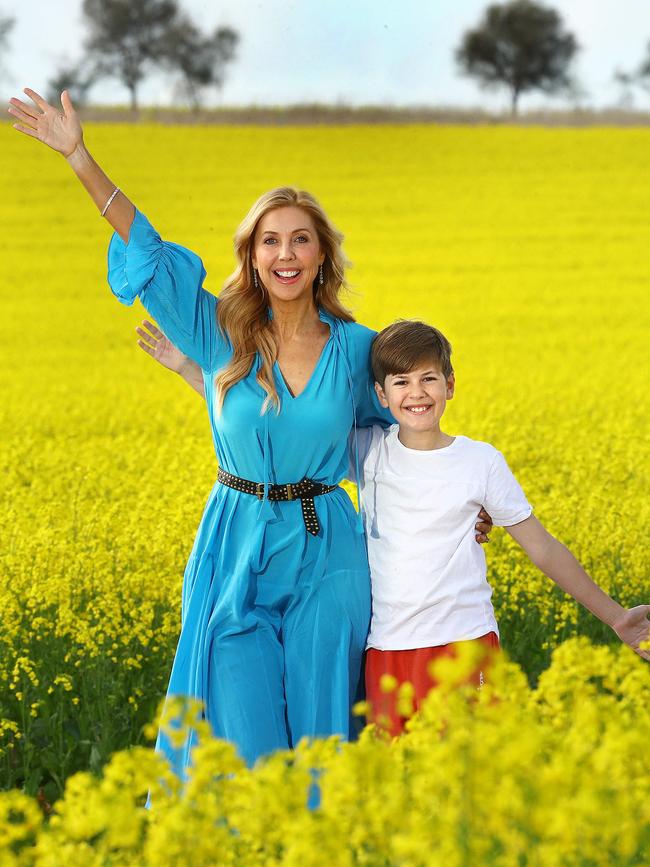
(60, 129)
(155, 344)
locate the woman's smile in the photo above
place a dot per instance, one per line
(287, 276)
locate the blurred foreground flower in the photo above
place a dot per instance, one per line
(505, 775)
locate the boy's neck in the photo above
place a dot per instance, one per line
(424, 441)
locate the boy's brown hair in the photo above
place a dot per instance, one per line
(407, 343)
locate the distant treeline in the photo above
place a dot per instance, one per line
(521, 45)
(127, 39)
(341, 115)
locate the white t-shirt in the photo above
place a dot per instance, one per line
(428, 572)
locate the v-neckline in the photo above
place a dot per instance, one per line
(284, 382)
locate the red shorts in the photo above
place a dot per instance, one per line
(411, 666)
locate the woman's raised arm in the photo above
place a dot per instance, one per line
(166, 277)
(61, 130)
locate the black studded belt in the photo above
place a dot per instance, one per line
(305, 491)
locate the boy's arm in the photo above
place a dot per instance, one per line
(555, 560)
(155, 344)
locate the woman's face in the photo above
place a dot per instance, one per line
(286, 253)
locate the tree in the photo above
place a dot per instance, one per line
(643, 72)
(74, 78)
(6, 25)
(626, 81)
(127, 37)
(520, 45)
(638, 77)
(200, 60)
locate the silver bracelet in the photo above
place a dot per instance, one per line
(110, 199)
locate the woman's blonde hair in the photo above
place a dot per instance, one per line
(242, 311)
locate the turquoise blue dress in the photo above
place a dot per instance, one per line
(274, 620)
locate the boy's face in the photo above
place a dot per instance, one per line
(417, 399)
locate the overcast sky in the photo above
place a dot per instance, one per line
(348, 51)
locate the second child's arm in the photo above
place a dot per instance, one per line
(556, 561)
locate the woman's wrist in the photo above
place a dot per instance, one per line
(79, 157)
(186, 368)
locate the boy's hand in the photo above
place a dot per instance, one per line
(634, 628)
(154, 342)
(483, 527)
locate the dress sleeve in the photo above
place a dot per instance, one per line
(168, 280)
(363, 442)
(369, 411)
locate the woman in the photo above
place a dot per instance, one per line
(276, 598)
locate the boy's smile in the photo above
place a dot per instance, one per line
(417, 401)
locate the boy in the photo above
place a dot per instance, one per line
(420, 491)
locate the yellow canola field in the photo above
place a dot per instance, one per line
(508, 777)
(527, 247)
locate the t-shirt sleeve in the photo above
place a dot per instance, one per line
(504, 499)
(168, 280)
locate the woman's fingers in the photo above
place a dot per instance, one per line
(27, 119)
(157, 333)
(66, 103)
(26, 129)
(148, 339)
(26, 109)
(483, 527)
(37, 98)
(484, 516)
(146, 348)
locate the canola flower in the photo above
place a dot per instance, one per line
(506, 775)
(528, 247)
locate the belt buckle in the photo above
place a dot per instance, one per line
(259, 492)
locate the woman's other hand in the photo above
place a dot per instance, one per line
(483, 526)
(61, 130)
(155, 344)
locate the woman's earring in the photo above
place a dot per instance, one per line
(255, 280)
(320, 275)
